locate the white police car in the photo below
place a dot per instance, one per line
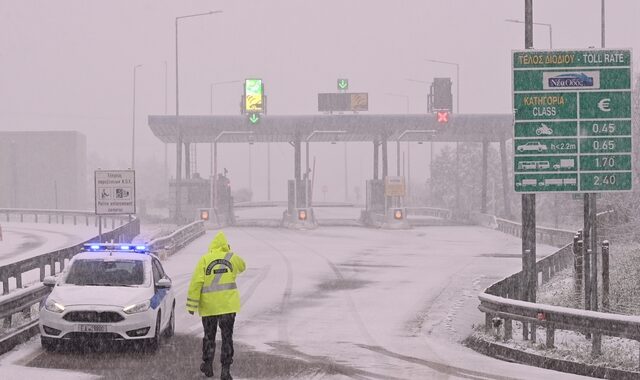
(109, 292)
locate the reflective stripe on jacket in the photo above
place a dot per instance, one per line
(213, 289)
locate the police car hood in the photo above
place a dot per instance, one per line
(70, 295)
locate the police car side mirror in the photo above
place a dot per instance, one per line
(163, 283)
(49, 281)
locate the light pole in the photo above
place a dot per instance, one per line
(212, 85)
(308, 170)
(536, 23)
(177, 122)
(429, 132)
(133, 121)
(214, 183)
(398, 141)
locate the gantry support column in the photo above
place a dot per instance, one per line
(385, 158)
(297, 164)
(485, 154)
(187, 160)
(376, 146)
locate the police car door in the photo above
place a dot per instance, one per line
(159, 299)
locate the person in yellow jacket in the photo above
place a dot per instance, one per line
(214, 294)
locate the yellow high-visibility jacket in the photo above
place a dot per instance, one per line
(213, 289)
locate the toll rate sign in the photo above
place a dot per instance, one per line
(572, 130)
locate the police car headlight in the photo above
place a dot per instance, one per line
(53, 306)
(137, 307)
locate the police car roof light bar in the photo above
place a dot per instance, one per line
(115, 247)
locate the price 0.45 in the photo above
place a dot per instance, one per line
(605, 128)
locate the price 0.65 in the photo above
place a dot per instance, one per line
(604, 145)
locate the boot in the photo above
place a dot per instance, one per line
(207, 368)
(225, 373)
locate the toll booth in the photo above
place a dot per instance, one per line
(299, 213)
(383, 206)
(196, 194)
(223, 200)
(375, 201)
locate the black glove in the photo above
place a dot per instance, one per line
(191, 312)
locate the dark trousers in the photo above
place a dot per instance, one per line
(210, 325)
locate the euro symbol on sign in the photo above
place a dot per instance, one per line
(603, 104)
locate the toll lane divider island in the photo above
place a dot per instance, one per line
(572, 130)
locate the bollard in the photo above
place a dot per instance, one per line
(5, 285)
(487, 323)
(508, 329)
(36, 217)
(551, 336)
(605, 276)
(596, 345)
(75, 220)
(577, 278)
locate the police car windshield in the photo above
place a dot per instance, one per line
(106, 273)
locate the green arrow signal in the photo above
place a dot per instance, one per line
(343, 84)
(254, 118)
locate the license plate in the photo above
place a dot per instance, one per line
(92, 328)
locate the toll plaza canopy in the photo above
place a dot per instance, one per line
(341, 127)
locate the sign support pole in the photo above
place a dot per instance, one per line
(529, 207)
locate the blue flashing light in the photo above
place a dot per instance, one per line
(102, 247)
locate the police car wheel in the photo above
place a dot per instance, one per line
(154, 343)
(48, 344)
(171, 327)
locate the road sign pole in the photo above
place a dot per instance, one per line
(529, 205)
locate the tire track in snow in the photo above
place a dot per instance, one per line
(338, 274)
(283, 334)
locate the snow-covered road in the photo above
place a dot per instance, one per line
(337, 303)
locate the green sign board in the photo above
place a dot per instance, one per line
(572, 130)
(253, 95)
(343, 84)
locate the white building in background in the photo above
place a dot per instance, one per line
(43, 170)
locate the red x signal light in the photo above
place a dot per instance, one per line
(442, 116)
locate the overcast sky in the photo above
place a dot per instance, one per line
(68, 65)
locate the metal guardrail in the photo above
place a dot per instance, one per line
(430, 211)
(544, 235)
(501, 300)
(59, 216)
(168, 245)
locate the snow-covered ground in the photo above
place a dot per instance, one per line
(365, 303)
(24, 240)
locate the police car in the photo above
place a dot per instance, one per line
(115, 292)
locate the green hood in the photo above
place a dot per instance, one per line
(219, 243)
